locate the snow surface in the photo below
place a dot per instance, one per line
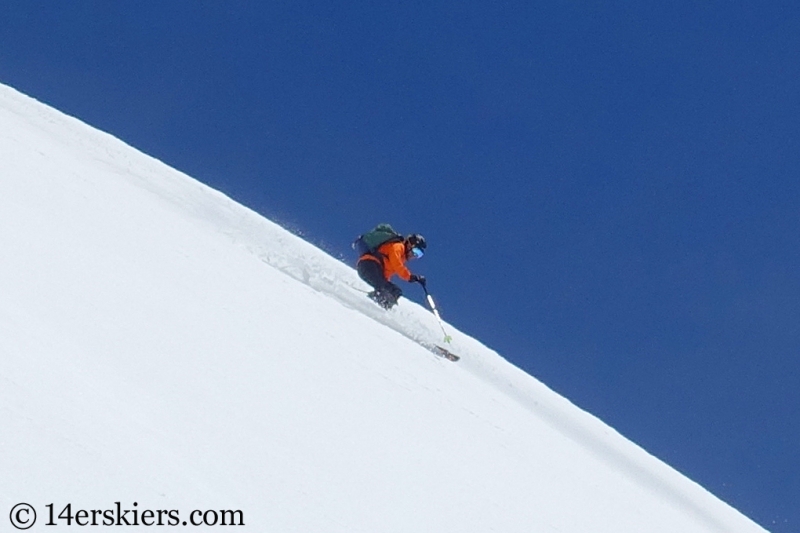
(161, 344)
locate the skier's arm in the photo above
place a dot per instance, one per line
(395, 260)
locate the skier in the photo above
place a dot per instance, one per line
(378, 264)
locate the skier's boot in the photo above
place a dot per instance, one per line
(383, 298)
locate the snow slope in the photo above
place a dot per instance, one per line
(166, 348)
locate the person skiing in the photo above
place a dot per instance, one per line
(378, 264)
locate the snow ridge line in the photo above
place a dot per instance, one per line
(306, 263)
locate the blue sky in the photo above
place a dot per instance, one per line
(609, 192)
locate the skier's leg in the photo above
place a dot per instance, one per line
(392, 293)
(385, 293)
(372, 273)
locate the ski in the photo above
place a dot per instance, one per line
(443, 352)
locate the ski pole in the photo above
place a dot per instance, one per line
(447, 338)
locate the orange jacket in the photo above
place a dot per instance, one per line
(394, 260)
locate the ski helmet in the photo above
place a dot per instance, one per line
(415, 240)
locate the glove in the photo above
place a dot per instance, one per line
(417, 279)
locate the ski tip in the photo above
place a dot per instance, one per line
(447, 354)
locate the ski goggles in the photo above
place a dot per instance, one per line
(417, 252)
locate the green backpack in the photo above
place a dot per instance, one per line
(369, 242)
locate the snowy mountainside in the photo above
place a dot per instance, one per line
(163, 346)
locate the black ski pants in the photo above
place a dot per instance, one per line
(372, 272)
